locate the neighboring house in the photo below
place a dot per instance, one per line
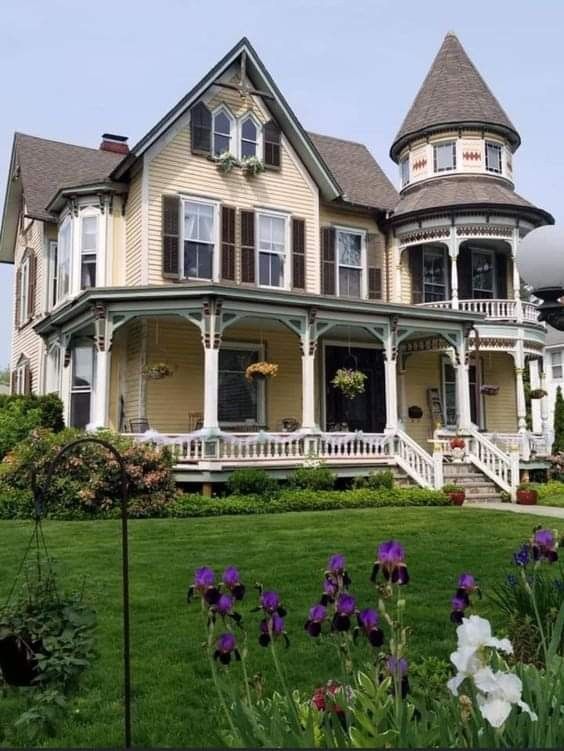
(127, 258)
(554, 377)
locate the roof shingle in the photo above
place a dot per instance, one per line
(357, 172)
(453, 93)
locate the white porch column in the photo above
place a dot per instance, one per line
(308, 344)
(391, 380)
(534, 377)
(402, 392)
(519, 358)
(211, 380)
(66, 382)
(101, 388)
(516, 277)
(463, 412)
(546, 428)
(453, 253)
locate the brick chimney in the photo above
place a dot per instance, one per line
(117, 144)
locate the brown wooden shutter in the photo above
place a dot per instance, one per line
(18, 297)
(328, 260)
(248, 247)
(27, 378)
(374, 283)
(298, 253)
(200, 129)
(416, 273)
(464, 268)
(171, 236)
(32, 285)
(501, 276)
(228, 243)
(373, 256)
(271, 139)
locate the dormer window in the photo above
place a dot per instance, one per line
(222, 132)
(493, 157)
(444, 156)
(249, 138)
(404, 171)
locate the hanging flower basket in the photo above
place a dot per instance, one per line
(414, 412)
(537, 393)
(349, 382)
(226, 161)
(156, 371)
(261, 370)
(252, 166)
(489, 390)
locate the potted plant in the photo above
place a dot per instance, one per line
(156, 371)
(458, 446)
(456, 494)
(226, 161)
(252, 165)
(537, 393)
(488, 389)
(527, 495)
(261, 371)
(349, 382)
(414, 412)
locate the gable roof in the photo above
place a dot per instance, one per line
(279, 107)
(453, 93)
(357, 172)
(466, 191)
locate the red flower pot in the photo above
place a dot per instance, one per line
(527, 497)
(457, 498)
(457, 443)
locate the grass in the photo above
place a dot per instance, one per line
(174, 700)
(550, 493)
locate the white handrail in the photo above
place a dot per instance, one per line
(494, 309)
(500, 467)
(414, 460)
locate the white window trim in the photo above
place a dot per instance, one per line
(454, 144)
(556, 364)
(88, 213)
(489, 142)
(287, 260)
(66, 219)
(53, 351)
(404, 181)
(52, 279)
(445, 268)
(83, 389)
(258, 125)
(491, 254)
(233, 133)
(22, 365)
(261, 391)
(216, 235)
(363, 260)
(23, 291)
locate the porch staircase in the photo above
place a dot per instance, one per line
(478, 487)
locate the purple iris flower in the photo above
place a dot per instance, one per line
(226, 648)
(467, 582)
(274, 626)
(204, 585)
(368, 621)
(397, 667)
(345, 607)
(317, 615)
(270, 601)
(225, 604)
(544, 545)
(337, 564)
(459, 604)
(330, 590)
(232, 581)
(390, 557)
(521, 556)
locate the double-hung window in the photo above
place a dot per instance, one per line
(483, 274)
(239, 400)
(21, 384)
(434, 275)
(52, 284)
(53, 371)
(222, 132)
(493, 157)
(350, 277)
(199, 239)
(249, 138)
(88, 251)
(23, 291)
(556, 363)
(63, 260)
(272, 243)
(444, 156)
(404, 171)
(82, 383)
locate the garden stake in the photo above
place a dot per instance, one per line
(39, 495)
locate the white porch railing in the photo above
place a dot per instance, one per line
(530, 444)
(414, 460)
(494, 310)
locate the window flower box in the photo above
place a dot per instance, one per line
(261, 371)
(349, 382)
(252, 166)
(226, 161)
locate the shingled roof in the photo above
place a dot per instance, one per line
(453, 93)
(47, 166)
(471, 191)
(357, 172)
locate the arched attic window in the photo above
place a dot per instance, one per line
(21, 376)
(223, 128)
(250, 137)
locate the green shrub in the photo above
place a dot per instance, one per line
(252, 482)
(86, 483)
(558, 444)
(313, 478)
(452, 488)
(375, 480)
(20, 414)
(49, 405)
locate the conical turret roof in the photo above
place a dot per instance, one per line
(453, 93)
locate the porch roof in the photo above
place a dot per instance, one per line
(186, 292)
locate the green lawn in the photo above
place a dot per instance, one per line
(174, 703)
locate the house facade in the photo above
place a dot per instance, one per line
(149, 279)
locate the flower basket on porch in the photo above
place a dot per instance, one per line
(456, 494)
(489, 390)
(537, 393)
(349, 382)
(261, 370)
(156, 371)
(457, 442)
(526, 495)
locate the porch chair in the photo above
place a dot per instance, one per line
(195, 421)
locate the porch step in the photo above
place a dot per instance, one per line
(478, 487)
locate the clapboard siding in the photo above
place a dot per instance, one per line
(133, 216)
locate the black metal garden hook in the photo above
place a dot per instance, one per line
(40, 495)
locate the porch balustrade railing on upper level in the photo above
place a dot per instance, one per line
(494, 310)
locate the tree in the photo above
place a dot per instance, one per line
(5, 375)
(558, 422)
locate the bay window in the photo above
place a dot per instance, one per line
(434, 275)
(199, 239)
(444, 156)
(239, 400)
(493, 157)
(63, 260)
(349, 278)
(272, 234)
(88, 251)
(404, 171)
(222, 128)
(82, 383)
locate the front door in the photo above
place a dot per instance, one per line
(366, 412)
